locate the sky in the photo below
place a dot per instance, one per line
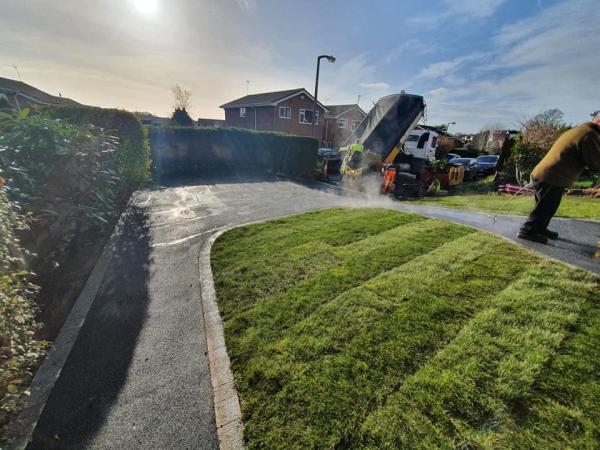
(479, 63)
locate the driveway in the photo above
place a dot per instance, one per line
(138, 375)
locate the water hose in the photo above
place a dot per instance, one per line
(499, 210)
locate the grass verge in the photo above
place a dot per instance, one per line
(366, 328)
(575, 207)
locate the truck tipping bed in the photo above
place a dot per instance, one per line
(389, 122)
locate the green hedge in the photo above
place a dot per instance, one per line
(193, 150)
(133, 149)
(62, 185)
(20, 351)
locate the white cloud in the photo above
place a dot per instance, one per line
(247, 5)
(438, 92)
(447, 68)
(413, 46)
(538, 63)
(358, 75)
(440, 69)
(473, 9)
(457, 10)
(379, 85)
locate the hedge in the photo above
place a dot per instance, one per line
(62, 185)
(20, 351)
(132, 151)
(206, 150)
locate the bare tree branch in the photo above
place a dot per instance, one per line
(182, 98)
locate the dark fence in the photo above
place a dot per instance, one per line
(221, 150)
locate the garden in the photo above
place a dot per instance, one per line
(369, 328)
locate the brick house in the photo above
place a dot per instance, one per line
(340, 123)
(285, 111)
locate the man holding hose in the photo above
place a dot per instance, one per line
(572, 152)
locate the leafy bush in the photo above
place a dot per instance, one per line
(19, 350)
(182, 118)
(132, 150)
(52, 166)
(523, 158)
(180, 150)
(480, 186)
(66, 178)
(538, 133)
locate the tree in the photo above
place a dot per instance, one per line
(538, 133)
(182, 118)
(182, 98)
(182, 102)
(541, 130)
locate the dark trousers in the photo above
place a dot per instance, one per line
(547, 201)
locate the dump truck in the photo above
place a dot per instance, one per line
(383, 134)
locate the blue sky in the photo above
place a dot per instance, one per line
(480, 63)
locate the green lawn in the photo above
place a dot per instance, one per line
(580, 207)
(369, 328)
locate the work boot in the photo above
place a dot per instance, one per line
(535, 237)
(550, 234)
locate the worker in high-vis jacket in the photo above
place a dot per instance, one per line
(357, 147)
(355, 156)
(571, 154)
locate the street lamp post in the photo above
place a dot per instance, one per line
(331, 59)
(448, 126)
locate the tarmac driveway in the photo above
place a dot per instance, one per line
(138, 375)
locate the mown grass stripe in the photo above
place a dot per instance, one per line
(354, 349)
(399, 344)
(247, 328)
(335, 227)
(470, 394)
(256, 267)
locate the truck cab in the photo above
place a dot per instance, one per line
(421, 143)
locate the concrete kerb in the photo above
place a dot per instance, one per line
(20, 429)
(228, 415)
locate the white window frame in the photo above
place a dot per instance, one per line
(285, 116)
(302, 118)
(341, 122)
(355, 124)
(243, 112)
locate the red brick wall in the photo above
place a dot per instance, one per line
(293, 125)
(233, 119)
(267, 118)
(337, 136)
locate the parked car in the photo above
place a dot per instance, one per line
(487, 164)
(450, 156)
(470, 165)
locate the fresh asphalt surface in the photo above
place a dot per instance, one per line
(138, 374)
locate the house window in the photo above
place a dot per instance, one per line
(341, 123)
(355, 124)
(285, 112)
(306, 116)
(242, 112)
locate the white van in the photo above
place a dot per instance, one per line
(421, 143)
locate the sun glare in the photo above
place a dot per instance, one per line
(146, 7)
